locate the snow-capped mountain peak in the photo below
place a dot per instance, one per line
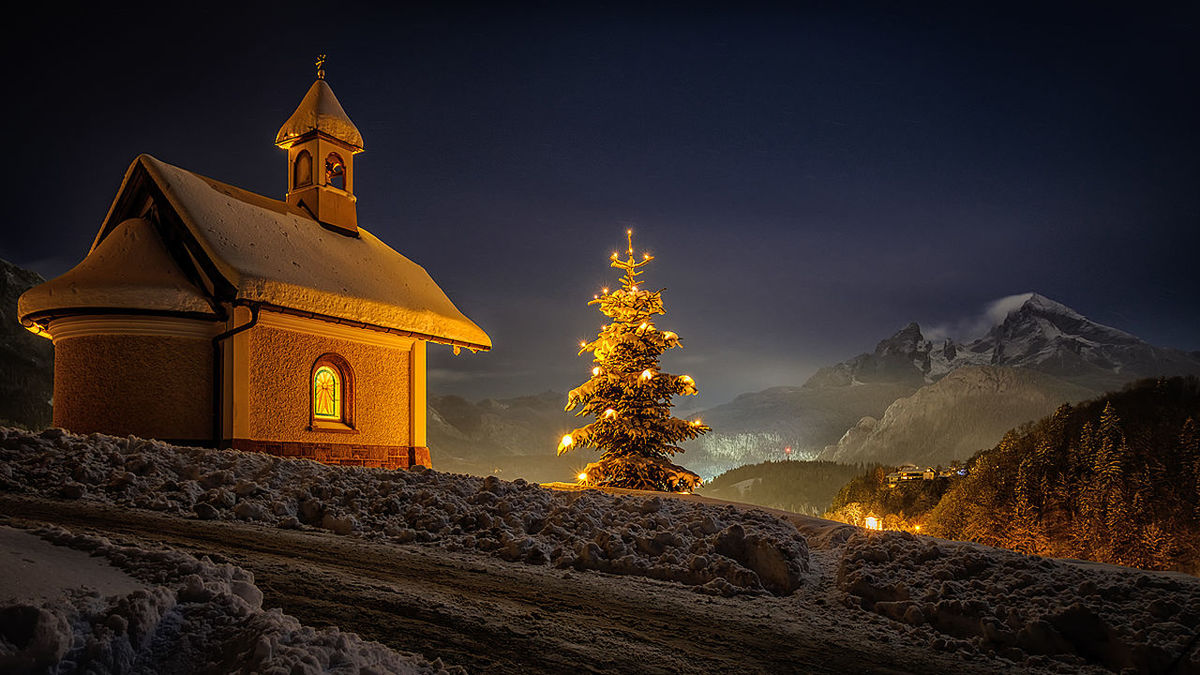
(1037, 333)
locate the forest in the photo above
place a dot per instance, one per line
(799, 486)
(1115, 479)
(904, 506)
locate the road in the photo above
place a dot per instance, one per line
(490, 616)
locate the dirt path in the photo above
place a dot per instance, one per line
(496, 617)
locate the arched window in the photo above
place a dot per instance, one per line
(302, 170)
(335, 171)
(331, 392)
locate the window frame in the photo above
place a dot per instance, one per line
(334, 161)
(300, 156)
(341, 369)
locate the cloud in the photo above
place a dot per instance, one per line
(992, 314)
(998, 310)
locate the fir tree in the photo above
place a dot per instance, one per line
(1189, 453)
(629, 396)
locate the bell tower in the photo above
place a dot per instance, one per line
(321, 142)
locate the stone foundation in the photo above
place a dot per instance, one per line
(341, 454)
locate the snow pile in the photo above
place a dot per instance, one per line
(1026, 608)
(717, 549)
(201, 618)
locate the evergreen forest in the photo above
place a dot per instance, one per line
(1115, 479)
(799, 486)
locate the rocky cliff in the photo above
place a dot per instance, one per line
(26, 360)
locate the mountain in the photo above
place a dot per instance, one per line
(905, 358)
(1039, 334)
(843, 412)
(1050, 337)
(964, 412)
(26, 360)
(513, 438)
(756, 427)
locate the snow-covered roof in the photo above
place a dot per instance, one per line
(130, 269)
(259, 250)
(320, 111)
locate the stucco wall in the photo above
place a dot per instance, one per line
(280, 365)
(150, 386)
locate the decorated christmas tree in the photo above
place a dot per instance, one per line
(629, 396)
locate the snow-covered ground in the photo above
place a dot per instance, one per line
(718, 549)
(469, 557)
(134, 610)
(1017, 605)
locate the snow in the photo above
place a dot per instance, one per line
(1024, 607)
(911, 599)
(107, 279)
(715, 549)
(189, 615)
(32, 570)
(320, 110)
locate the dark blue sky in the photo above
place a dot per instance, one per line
(811, 179)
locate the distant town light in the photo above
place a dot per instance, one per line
(582, 477)
(872, 523)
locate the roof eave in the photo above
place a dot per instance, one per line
(473, 346)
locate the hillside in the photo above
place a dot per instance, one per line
(798, 486)
(902, 506)
(1115, 479)
(958, 415)
(26, 360)
(757, 426)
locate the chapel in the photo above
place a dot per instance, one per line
(205, 314)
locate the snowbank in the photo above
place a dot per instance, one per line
(717, 549)
(1026, 608)
(197, 617)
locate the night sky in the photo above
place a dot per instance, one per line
(811, 180)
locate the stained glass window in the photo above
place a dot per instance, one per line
(327, 394)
